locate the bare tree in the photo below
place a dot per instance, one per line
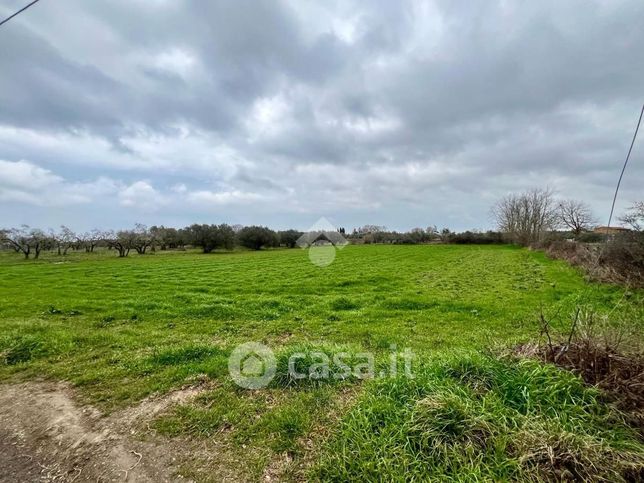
(634, 217)
(63, 240)
(4, 240)
(143, 240)
(527, 216)
(93, 238)
(25, 240)
(575, 215)
(139, 239)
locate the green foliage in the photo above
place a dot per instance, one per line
(211, 237)
(474, 418)
(288, 238)
(257, 237)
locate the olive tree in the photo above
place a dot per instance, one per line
(211, 237)
(289, 238)
(256, 237)
(167, 237)
(122, 241)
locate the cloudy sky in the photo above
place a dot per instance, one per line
(397, 113)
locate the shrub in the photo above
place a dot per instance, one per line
(474, 237)
(621, 260)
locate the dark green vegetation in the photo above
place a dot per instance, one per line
(121, 329)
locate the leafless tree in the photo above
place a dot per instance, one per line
(527, 216)
(63, 239)
(432, 231)
(25, 240)
(89, 240)
(143, 240)
(575, 215)
(139, 239)
(634, 217)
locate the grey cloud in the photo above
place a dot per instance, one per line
(398, 104)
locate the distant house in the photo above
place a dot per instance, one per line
(610, 230)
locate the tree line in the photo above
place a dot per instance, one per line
(532, 216)
(30, 242)
(522, 218)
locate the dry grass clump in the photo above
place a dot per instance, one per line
(605, 353)
(617, 261)
(549, 454)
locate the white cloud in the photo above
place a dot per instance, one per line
(141, 195)
(25, 182)
(222, 197)
(25, 175)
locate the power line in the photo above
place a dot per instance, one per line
(610, 218)
(18, 12)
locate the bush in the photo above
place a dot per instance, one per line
(604, 350)
(474, 237)
(620, 260)
(624, 257)
(591, 237)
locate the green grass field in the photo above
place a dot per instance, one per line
(122, 329)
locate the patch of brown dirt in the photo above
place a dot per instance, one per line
(46, 436)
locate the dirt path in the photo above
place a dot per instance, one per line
(46, 436)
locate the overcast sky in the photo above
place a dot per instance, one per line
(395, 113)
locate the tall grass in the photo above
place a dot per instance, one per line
(476, 418)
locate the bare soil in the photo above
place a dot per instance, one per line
(45, 435)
